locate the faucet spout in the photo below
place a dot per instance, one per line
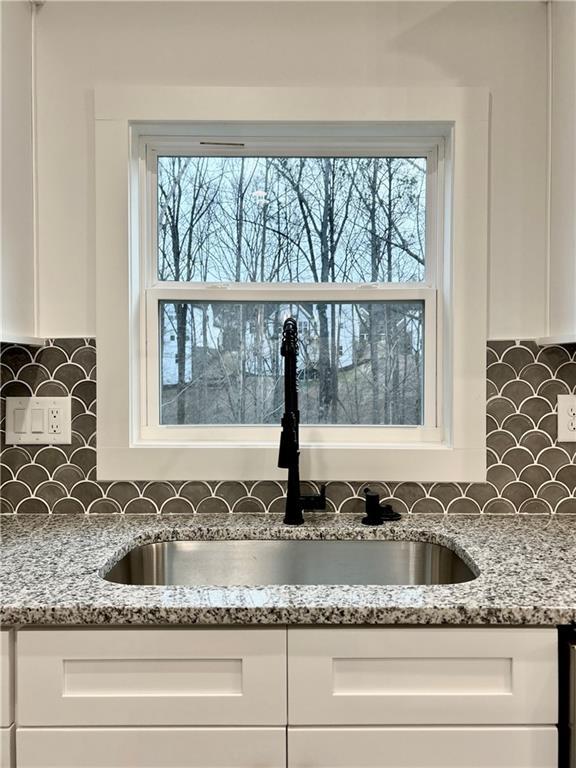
(289, 452)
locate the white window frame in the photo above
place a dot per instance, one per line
(134, 124)
(155, 290)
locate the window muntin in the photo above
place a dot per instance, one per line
(305, 219)
(359, 363)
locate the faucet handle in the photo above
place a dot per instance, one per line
(376, 514)
(316, 500)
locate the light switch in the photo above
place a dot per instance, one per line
(37, 421)
(19, 420)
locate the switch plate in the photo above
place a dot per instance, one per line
(567, 418)
(38, 420)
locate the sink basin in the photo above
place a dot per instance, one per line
(260, 563)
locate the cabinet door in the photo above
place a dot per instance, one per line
(440, 747)
(422, 676)
(151, 748)
(152, 677)
(6, 679)
(7, 759)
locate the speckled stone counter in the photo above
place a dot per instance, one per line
(51, 573)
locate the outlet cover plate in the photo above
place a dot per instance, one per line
(27, 420)
(567, 418)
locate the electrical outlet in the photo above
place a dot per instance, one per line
(38, 420)
(567, 418)
(55, 421)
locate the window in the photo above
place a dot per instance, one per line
(358, 213)
(340, 232)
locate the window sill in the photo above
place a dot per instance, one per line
(424, 463)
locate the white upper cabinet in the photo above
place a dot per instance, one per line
(562, 309)
(17, 304)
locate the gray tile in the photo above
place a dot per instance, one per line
(213, 505)
(122, 492)
(68, 507)
(33, 506)
(50, 358)
(104, 507)
(535, 507)
(195, 492)
(231, 491)
(517, 391)
(266, 491)
(521, 451)
(86, 492)
(535, 374)
(409, 493)
(499, 507)
(463, 506)
(158, 493)
(50, 457)
(566, 507)
(32, 475)
(554, 357)
(177, 506)
(535, 475)
(567, 373)
(500, 374)
(518, 357)
(249, 506)
(140, 506)
(427, 506)
(445, 493)
(517, 492)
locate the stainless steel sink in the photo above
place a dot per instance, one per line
(260, 563)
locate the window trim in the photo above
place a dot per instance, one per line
(121, 112)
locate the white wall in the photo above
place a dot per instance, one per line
(499, 45)
(16, 230)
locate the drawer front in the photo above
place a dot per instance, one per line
(441, 747)
(6, 678)
(152, 677)
(151, 748)
(373, 676)
(7, 753)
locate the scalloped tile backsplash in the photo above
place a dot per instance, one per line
(527, 471)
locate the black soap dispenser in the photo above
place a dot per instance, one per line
(376, 514)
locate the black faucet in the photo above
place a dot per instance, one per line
(289, 454)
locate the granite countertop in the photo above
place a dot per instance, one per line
(51, 567)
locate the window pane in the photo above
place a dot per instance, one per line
(291, 219)
(358, 363)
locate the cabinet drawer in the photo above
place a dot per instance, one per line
(151, 748)
(7, 753)
(373, 676)
(6, 678)
(440, 747)
(152, 677)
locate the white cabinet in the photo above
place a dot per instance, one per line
(152, 748)
(562, 307)
(429, 676)
(6, 678)
(440, 747)
(17, 268)
(152, 677)
(6, 699)
(302, 697)
(7, 752)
